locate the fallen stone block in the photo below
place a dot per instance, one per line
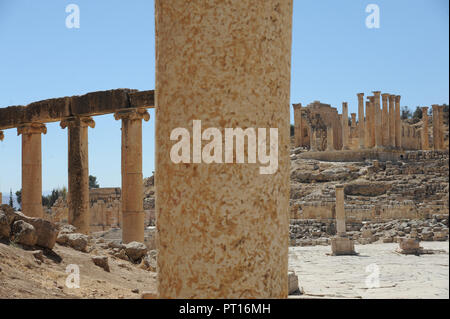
(293, 288)
(135, 250)
(23, 233)
(102, 262)
(76, 241)
(342, 246)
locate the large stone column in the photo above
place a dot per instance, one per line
(78, 166)
(441, 126)
(2, 136)
(222, 227)
(372, 122)
(437, 128)
(392, 121)
(367, 126)
(132, 179)
(361, 121)
(378, 126)
(385, 120)
(32, 168)
(298, 130)
(424, 136)
(340, 211)
(345, 126)
(330, 139)
(398, 122)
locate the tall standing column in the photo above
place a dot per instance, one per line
(385, 120)
(345, 126)
(32, 168)
(367, 126)
(441, 127)
(132, 180)
(372, 122)
(298, 130)
(424, 136)
(222, 228)
(340, 211)
(330, 139)
(398, 122)
(78, 166)
(392, 121)
(361, 121)
(378, 126)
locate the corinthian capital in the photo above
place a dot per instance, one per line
(32, 128)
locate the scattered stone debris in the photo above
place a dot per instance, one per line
(102, 262)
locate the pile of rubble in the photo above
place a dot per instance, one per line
(319, 232)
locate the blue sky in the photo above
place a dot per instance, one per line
(334, 56)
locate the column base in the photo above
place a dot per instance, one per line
(341, 246)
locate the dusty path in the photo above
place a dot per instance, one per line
(400, 276)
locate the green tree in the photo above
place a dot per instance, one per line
(11, 200)
(406, 113)
(19, 198)
(50, 200)
(417, 115)
(93, 182)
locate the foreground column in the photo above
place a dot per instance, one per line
(378, 126)
(398, 123)
(132, 179)
(441, 126)
(298, 130)
(424, 136)
(222, 228)
(78, 166)
(385, 120)
(345, 126)
(32, 168)
(392, 121)
(361, 121)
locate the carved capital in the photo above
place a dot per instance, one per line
(397, 98)
(391, 98)
(75, 121)
(132, 114)
(376, 93)
(385, 96)
(297, 106)
(32, 128)
(360, 96)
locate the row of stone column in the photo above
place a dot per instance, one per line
(78, 171)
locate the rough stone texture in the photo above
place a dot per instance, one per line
(5, 225)
(102, 262)
(32, 168)
(78, 193)
(342, 246)
(93, 103)
(135, 250)
(293, 283)
(132, 180)
(23, 233)
(222, 229)
(76, 241)
(46, 231)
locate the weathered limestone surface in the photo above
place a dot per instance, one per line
(94, 103)
(222, 229)
(78, 166)
(298, 129)
(385, 120)
(378, 126)
(392, 120)
(425, 144)
(132, 180)
(345, 126)
(361, 121)
(340, 211)
(32, 168)
(398, 122)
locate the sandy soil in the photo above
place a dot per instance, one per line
(22, 276)
(400, 276)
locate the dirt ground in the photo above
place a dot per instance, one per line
(21, 275)
(320, 275)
